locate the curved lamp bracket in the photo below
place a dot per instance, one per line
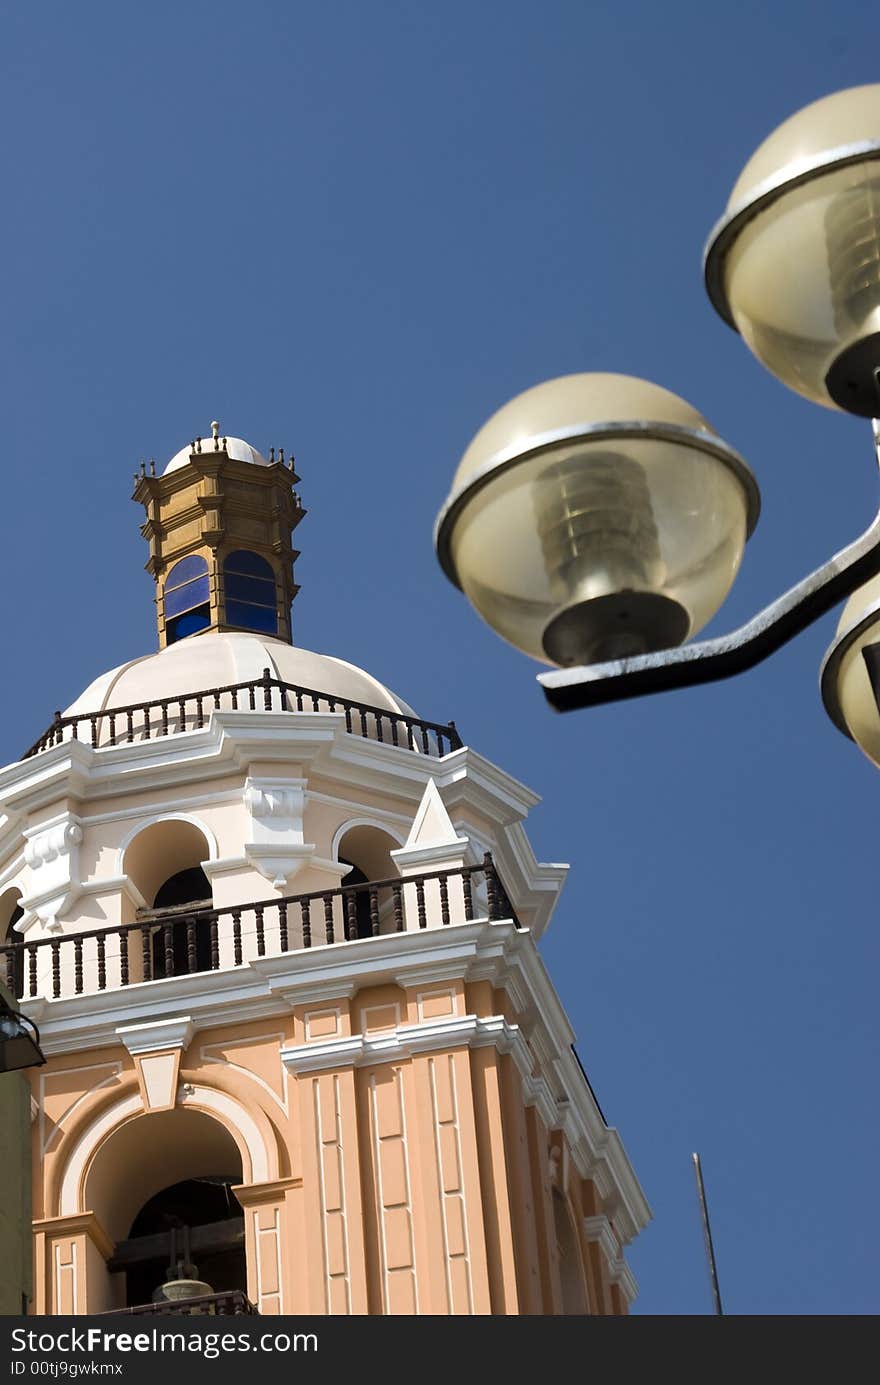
(710, 660)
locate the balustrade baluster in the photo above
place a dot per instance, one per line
(94, 724)
(282, 926)
(236, 936)
(363, 717)
(10, 969)
(168, 945)
(347, 718)
(147, 951)
(468, 898)
(112, 728)
(394, 728)
(426, 747)
(267, 690)
(261, 933)
(102, 961)
(420, 903)
(32, 969)
(181, 712)
(215, 944)
(299, 700)
(252, 695)
(123, 956)
(491, 886)
(444, 899)
(192, 964)
(78, 965)
(235, 699)
(129, 717)
(164, 718)
(374, 911)
(378, 720)
(306, 922)
(74, 730)
(410, 743)
(397, 896)
(351, 918)
(146, 711)
(200, 711)
(328, 918)
(56, 968)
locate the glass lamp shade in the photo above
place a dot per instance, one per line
(19, 1041)
(794, 263)
(595, 517)
(851, 671)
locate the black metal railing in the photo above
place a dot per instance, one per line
(232, 1304)
(168, 716)
(185, 940)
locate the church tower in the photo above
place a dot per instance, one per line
(279, 934)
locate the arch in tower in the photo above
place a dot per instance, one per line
(165, 846)
(116, 1157)
(366, 849)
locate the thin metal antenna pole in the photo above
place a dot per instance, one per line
(707, 1232)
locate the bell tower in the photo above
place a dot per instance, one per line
(219, 523)
(280, 933)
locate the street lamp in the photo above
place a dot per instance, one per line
(597, 522)
(19, 1040)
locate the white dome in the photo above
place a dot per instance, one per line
(218, 659)
(237, 448)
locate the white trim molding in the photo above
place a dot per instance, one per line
(157, 1035)
(599, 1229)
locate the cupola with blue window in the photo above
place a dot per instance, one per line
(220, 520)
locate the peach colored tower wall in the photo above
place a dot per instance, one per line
(424, 1181)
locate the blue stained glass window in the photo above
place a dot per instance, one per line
(188, 596)
(261, 618)
(255, 589)
(185, 571)
(251, 564)
(249, 590)
(188, 624)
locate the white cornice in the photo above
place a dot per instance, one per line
(620, 1274)
(392, 1045)
(599, 1229)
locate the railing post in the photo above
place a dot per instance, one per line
(454, 737)
(267, 689)
(491, 886)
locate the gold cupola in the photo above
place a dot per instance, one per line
(220, 520)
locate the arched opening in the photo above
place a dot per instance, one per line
(12, 973)
(571, 1268)
(366, 850)
(162, 1173)
(164, 863)
(249, 592)
(187, 598)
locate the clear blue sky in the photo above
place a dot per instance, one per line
(355, 230)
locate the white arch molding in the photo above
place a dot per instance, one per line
(156, 821)
(362, 822)
(257, 1164)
